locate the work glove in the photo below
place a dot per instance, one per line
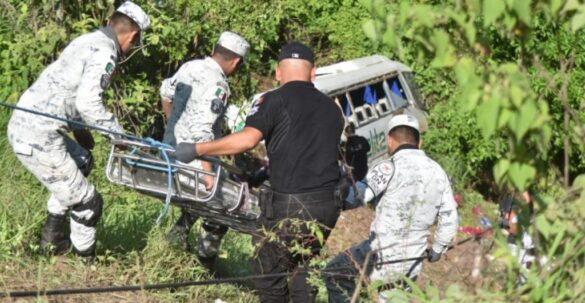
(84, 138)
(433, 256)
(185, 152)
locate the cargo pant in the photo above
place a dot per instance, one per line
(62, 168)
(275, 257)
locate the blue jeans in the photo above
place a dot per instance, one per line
(355, 198)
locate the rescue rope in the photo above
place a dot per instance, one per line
(109, 289)
(162, 148)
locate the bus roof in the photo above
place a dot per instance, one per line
(346, 74)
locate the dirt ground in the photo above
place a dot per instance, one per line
(464, 264)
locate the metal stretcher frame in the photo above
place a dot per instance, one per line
(229, 202)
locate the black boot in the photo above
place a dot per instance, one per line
(87, 256)
(179, 234)
(53, 238)
(208, 263)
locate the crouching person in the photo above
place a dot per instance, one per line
(72, 88)
(411, 191)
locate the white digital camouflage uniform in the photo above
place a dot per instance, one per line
(71, 88)
(200, 89)
(413, 191)
(203, 89)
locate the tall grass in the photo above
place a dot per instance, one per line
(131, 248)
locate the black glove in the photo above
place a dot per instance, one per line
(185, 152)
(433, 256)
(84, 138)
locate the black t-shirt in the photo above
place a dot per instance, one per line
(302, 128)
(356, 156)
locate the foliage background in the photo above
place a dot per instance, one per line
(466, 54)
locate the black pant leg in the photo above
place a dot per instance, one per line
(342, 271)
(271, 259)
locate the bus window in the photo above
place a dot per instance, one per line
(369, 94)
(344, 104)
(414, 89)
(383, 107)
(396, 93)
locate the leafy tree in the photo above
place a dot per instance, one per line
(515, 66)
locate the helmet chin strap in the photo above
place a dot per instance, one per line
(134, 51)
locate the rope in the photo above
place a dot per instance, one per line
(162, 148)
(78, 123)
(93, 290)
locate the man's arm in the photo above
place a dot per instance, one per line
(447, 221)
(377, 180)
(233, 144)
(167, 106)
(96, 78)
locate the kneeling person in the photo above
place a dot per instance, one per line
(412, 191)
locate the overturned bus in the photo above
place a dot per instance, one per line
(367, 90)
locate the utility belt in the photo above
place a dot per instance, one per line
(269, 199)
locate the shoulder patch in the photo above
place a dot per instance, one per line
(105, 81)
(386, 168)
(217, 106)
(221, 94)
(110, 68)
(256, 106)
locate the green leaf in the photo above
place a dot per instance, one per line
(571, 5)
(578, 21)
(500, 170)
(154, 39)
(487, 117)
(370, 29)
(527, 115)
(367, 4)
(444, 53)
(517, 94)
(520, 174)
(579, 182)
(492, 10)
(555, 5)
(522, 9)
(543, 226)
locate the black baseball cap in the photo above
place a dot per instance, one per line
(296, 50)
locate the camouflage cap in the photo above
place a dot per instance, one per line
(135, 13)
(235, 43)
(403, 120)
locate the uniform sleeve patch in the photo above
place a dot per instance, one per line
(221, 94)
(256, 106)
(217, 106)
(105, 81)
(110, 68)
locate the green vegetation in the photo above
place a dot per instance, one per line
(503, 80)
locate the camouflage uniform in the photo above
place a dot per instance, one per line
(71, 88)
(412, 191)
(199, 92)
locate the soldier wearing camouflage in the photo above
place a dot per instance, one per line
(71, 88)
(411, 191)
(199, 93)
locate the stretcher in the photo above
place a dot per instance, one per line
(143, 167)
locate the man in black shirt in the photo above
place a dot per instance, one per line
(302, 128)
(356, 156)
